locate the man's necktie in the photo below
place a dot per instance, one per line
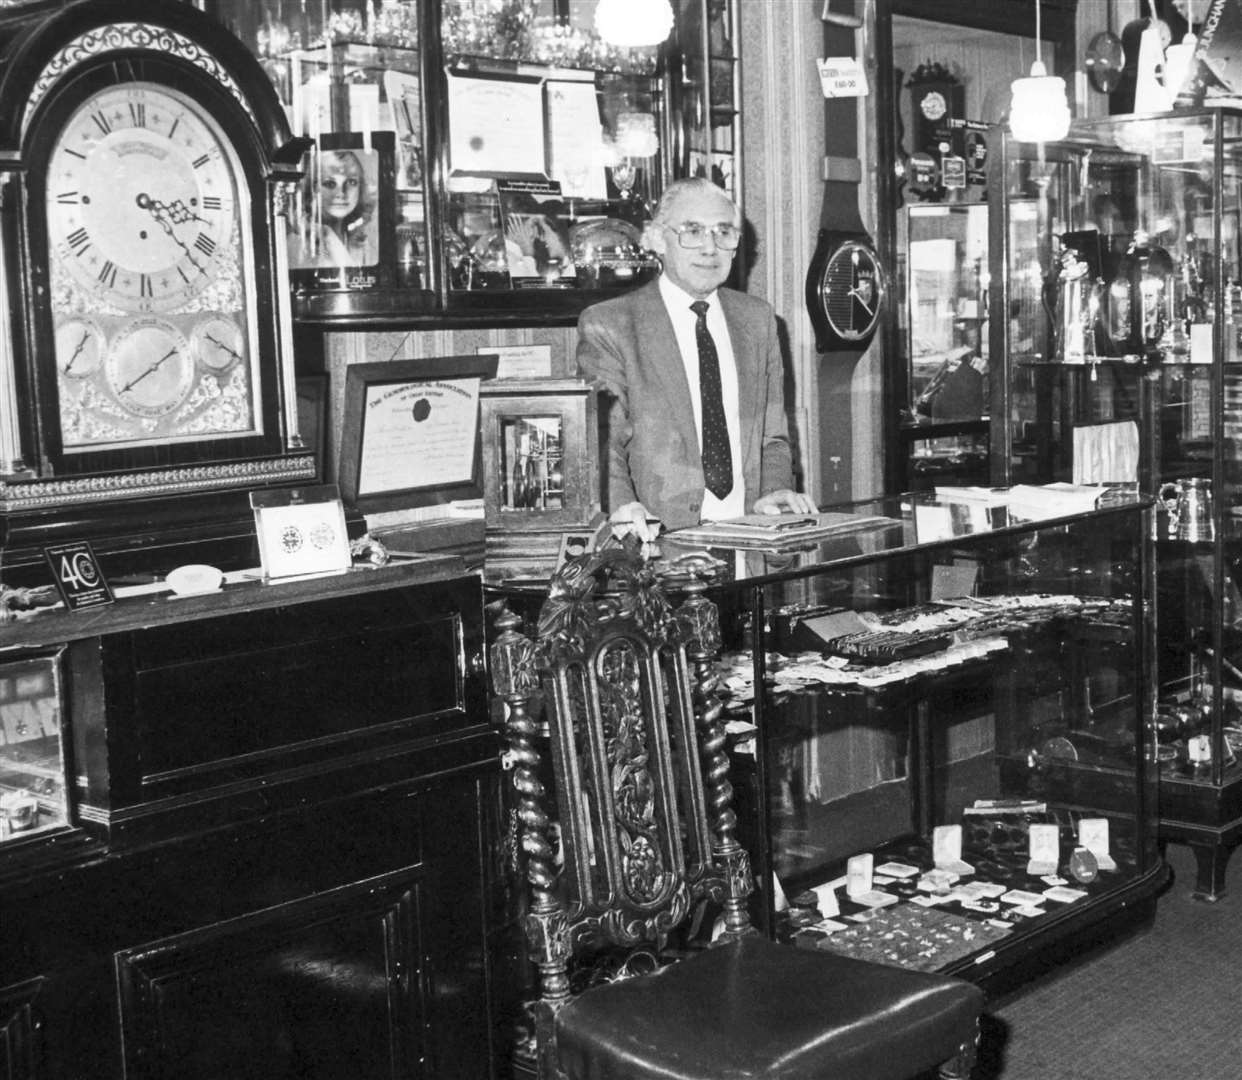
(717, 457)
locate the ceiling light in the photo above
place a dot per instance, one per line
(634, 23)
(1038, 110)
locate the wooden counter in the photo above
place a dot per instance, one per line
(277, 862)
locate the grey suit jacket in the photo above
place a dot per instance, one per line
(651, 447)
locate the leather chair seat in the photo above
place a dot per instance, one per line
(757, 1010)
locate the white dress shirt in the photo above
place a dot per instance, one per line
(678, 302)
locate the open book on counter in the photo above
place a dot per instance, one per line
(776, 530)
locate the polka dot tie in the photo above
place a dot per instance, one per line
(717, 457)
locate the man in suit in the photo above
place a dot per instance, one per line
(664, 414)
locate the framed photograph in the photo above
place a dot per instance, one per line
(411, 432)
(344, 221)
(536, 232)
(313, 418)
(301, 531)
(574, 544)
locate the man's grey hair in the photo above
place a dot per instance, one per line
(680, 190)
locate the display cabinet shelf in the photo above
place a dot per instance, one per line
(927, 686)
(509, 157)
(1115, 255)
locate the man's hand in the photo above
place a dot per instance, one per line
(785, 501)
(634, 518)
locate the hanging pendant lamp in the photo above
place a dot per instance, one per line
(633, 23)
(1038, 110)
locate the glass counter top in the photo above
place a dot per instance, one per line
(893, 525)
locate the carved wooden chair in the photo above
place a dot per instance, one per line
(645, 845)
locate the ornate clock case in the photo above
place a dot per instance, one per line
(147, 379)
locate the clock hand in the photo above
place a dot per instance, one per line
(153, 368)
(156, 210)
(182, 213)
(856, 293)
(227, 348)
(78, 351)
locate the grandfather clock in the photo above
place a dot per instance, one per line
(147, 378)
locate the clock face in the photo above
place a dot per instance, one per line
(150, 274)
(933, 105)
(851, 291)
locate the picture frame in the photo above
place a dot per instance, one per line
(343, 236)
(312, 393)
(301, 531)
(496, 125)
(576, 543)
(411, 434)
(540, 445)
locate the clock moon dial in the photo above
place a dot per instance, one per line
(149, 368)
(140, 199)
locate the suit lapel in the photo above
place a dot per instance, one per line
(746, 360)
(661, 362)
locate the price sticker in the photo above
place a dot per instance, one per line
(841, 77)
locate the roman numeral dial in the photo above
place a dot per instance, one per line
(142, 202)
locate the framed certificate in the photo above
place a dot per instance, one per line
(411, 431)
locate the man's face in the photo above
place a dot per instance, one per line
(697, 270)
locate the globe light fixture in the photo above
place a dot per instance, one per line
(634, 23)
(1038, 109)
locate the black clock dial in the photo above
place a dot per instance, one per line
(851, 289)
(845, 290)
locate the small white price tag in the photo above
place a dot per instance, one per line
(1093, 835)
(842, 76)
(947, 849)
(1045, 851)
(858, 874)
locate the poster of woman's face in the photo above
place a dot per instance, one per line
(338, 222)
(342, 218)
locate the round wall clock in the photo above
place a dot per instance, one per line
(147, 168)
(845, 290)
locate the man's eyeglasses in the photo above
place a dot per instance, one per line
(692, 234)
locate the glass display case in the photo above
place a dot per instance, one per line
(33, 792)
(942, 307)
(950, 713)
(485, 158)
(1115, 257)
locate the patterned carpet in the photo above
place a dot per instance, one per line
(1162, 1003)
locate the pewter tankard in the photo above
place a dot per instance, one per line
(1189, 502)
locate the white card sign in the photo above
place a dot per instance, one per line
(842, 77)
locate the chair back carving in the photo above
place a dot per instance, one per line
(645, 825)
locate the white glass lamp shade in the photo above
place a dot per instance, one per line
(634, 23)
(636, 135)
(1038, 110)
